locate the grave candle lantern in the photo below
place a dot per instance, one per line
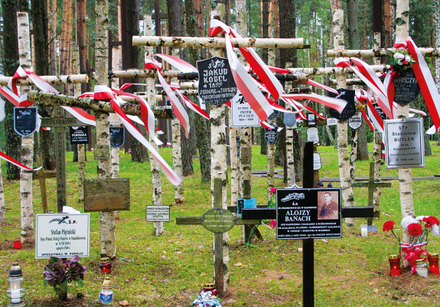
(433, 263)
(209, 287)
(105, 265)
(394, 265)
(421, 267)
(15, 291)
(106, 294)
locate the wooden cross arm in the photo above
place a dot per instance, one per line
(219, 42)
(72, 79)
(165, 112)
(375, 184)
(197, 220)
(378, 52)
(270, 213)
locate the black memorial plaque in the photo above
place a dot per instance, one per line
(216, 83)
(350, 108)
(406, 88)
(271, 135)
(25, 120)
(117, 136)
(79, 135)
(308, 213)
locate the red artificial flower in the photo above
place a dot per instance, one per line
(428, 221)
(415, 229)
(273, 224)
(388, 225)
(405, 62)
(273, 190)
(435, 220)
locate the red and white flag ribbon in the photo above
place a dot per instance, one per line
(180, 112)
(426, 82)
(104, 93)
(16, 163)
(243, 80)
(334, 103)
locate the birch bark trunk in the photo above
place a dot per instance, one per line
(343, 157)
(27, 143)
(218, 147)
(2, 200)
(102, 151)
(377, 145)
(405, 174)
(151, 97)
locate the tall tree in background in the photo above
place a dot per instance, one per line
(175, 28)
(354, 42)
(201, 124)
(130, 14)
(10, 64)
(287, 55)
(41, 68)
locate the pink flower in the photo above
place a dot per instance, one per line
(273, 224)
(273, 190)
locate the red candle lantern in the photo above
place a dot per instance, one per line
(433, 263)
(105, 265)
(394, 265)
(209, 287)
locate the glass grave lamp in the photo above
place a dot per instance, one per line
(15, 291)
(433, 263)
(394, 265)
(106, 294)
(106, 265)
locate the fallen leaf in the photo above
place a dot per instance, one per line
(376, 290)
(202, 274)
(324, 240)
(124, 303)
(372, 283)
(238, 264)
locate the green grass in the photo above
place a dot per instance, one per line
(171, 269)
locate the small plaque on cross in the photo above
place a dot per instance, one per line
(106, 194)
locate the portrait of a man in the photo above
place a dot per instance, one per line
(328, 208)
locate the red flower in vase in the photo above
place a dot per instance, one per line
(388, 225)
(415, 229)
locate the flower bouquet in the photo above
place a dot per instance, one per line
(400, 61)
(418, 229)
(58, 273)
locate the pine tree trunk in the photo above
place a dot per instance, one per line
(81, 148)
(27, 143)
(10, 46)
(343, 158)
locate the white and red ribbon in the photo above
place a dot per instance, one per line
(248, 88)
(104, 93)
(16, 163)
(179, 111)
(425, 81)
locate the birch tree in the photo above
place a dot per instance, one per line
(102, 151)
(218, 145)
(27, 143)
(405, 174)
(343, 157)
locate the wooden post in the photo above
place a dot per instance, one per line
(308, 247)
(372, 184)
(220, 268)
